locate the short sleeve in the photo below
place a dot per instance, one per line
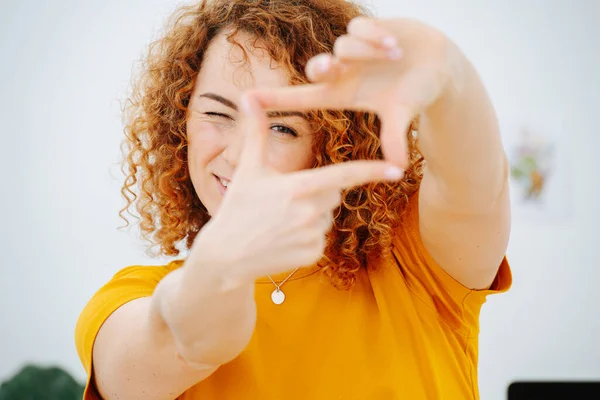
(130, 283)
(455, 303)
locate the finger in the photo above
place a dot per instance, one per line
(322, 68)
(345, 175)
(367, 29)
(352, 48)
(253, 122)
(299, 98)
(418, 90)
(394, 142)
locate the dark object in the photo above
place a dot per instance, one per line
(553, 391)
(39, 383)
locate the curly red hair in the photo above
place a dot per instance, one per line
(155, 148)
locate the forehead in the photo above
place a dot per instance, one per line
(231, 68)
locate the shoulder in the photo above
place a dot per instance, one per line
(130, 283)
(152, 273)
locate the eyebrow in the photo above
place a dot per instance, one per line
(270, 114)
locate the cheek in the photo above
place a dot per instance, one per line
(291, 157)
(204, 144)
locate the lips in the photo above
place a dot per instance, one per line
(222, 183)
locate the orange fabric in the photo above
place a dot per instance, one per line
(407, 330)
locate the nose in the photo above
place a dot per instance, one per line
(234, 141)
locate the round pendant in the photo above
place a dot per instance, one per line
(277, 296)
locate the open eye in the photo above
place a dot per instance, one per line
(284, 129)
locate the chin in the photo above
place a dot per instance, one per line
(212, 205)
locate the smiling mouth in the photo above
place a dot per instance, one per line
(222, 182)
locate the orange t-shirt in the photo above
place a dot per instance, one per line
(407, 330)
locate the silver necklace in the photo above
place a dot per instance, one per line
(278, 296)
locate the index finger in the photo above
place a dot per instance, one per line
(254, 123)
(369, 29)
(299, 98)
(347, 175)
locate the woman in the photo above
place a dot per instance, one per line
(324, 263)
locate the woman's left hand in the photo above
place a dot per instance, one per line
(397, 68)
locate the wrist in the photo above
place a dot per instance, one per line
(223, 266)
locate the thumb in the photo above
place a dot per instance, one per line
(253, 122)
(394, 141)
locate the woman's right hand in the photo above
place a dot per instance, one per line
(270, 222)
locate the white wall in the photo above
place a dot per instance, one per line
(64, 66)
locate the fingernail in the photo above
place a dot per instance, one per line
(389, 41)
(395, 54)
(394, 173)
(324, 65)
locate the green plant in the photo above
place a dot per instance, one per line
(33, 382)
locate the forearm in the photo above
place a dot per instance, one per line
(123, 366)
(207, 316)
(199, 317)
(460, 139)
